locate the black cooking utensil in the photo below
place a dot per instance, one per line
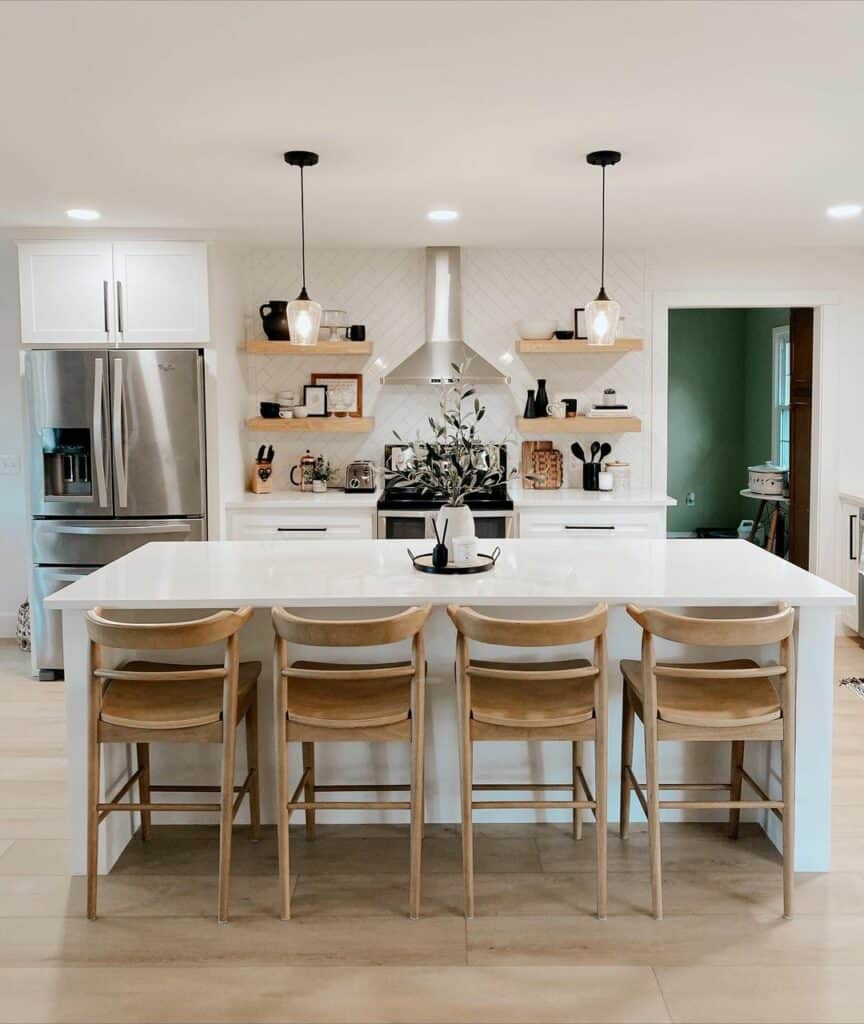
(270, 454)
(576, 448)
(595, 450)
(260, 456)
(605, 449)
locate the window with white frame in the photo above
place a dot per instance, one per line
(780, 390)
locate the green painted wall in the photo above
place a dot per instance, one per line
(719, 411)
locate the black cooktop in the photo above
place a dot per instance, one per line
(494, 499)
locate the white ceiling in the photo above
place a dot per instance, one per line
(739, 122)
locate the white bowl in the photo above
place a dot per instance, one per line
(536, 330)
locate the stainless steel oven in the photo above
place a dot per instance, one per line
(416, 524)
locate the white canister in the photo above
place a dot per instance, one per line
(620, 475)
(464, 550)
(605, 480)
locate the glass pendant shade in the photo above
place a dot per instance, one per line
(601, 320)
(304, 319)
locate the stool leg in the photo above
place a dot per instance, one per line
(226, 818)
(309, 787)
(143, 754)
(280, 714)
(577, 788)
(601, 785)
(788, 817)
(417, 802)
(653, 800)
(252, 770)
(93, 773)
(627, 721)
(736, 781)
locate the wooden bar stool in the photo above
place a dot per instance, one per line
(546, 700)
(326, 702)
(144, 702)
(719, 701)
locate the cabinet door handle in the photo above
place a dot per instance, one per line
(852, 556)
(589, 527)
(120, 307)
(105, 305)
(301, 529)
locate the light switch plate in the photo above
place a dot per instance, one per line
(10, 465)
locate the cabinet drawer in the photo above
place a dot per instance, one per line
(275, 527)
(582, 523)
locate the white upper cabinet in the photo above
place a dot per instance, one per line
(66, 292)
(123, 293)
(161, 292)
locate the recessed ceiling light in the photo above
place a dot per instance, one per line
(845, 211)
(443, 215)
(83, 214)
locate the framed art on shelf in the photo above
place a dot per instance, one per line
(315, 399)
(344, 392)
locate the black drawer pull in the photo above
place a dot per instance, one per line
(589, 527)
(852, 520)
(301, 529)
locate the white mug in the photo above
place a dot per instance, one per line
(286, 414)
(464, 550)
(301, 412)
(558, 410)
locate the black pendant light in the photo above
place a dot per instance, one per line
(601, 315)
(304, 314)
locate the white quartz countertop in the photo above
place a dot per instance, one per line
(853, 498)
(331, 498)
(368, 573)
(571, 497)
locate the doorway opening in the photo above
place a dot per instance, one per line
(740, 393)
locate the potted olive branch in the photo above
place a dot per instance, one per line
(455, 464)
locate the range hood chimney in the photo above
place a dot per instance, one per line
(432, 363)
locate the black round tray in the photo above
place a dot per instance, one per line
(423, 563)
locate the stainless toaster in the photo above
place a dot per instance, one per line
(360, 477)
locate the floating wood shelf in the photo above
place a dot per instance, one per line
(579, 425)
(313, 425)
(530, 347)
(322, 348)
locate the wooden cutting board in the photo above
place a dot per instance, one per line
(541, 460)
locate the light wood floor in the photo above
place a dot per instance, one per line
(533, 953)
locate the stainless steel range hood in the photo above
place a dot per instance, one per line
(433, 362)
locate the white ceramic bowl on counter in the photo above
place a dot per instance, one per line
(536, 330)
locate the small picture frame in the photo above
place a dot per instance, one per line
(344, 392)
(315, 399)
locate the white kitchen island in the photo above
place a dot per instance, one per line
(533, 579)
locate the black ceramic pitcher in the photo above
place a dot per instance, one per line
(275, 319)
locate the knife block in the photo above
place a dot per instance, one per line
(262, 478)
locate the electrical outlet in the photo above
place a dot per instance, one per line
(690, 500)
(10, 465)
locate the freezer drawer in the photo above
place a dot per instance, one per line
(96, 542)
(48, 625)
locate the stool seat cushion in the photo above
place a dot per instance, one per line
(720, 703)
(359, 703)
(541, 702)
(170, 704)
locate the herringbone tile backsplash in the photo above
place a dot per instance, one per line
(384, 289)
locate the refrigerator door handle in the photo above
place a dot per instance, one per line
(99, 432)
(117, 427)
(115, 530)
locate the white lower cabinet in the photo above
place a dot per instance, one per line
(275, 525)
(580, 522)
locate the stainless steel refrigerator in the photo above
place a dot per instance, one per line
(117, 459)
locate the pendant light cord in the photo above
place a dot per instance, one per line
(303, 229)
(602, 232)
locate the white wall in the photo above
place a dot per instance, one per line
(14, 538)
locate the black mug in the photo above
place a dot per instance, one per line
(591, 476)
(357, 332)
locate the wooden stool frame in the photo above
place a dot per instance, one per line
(291, 629)
(773, 629)
(527, 633)
(107, 633)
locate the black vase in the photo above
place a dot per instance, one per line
(275, 320)
(591, 476)
(440, 556)
(542, 398)
(530, 406)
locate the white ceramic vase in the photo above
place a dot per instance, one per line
(460, 522)
(319, 486)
